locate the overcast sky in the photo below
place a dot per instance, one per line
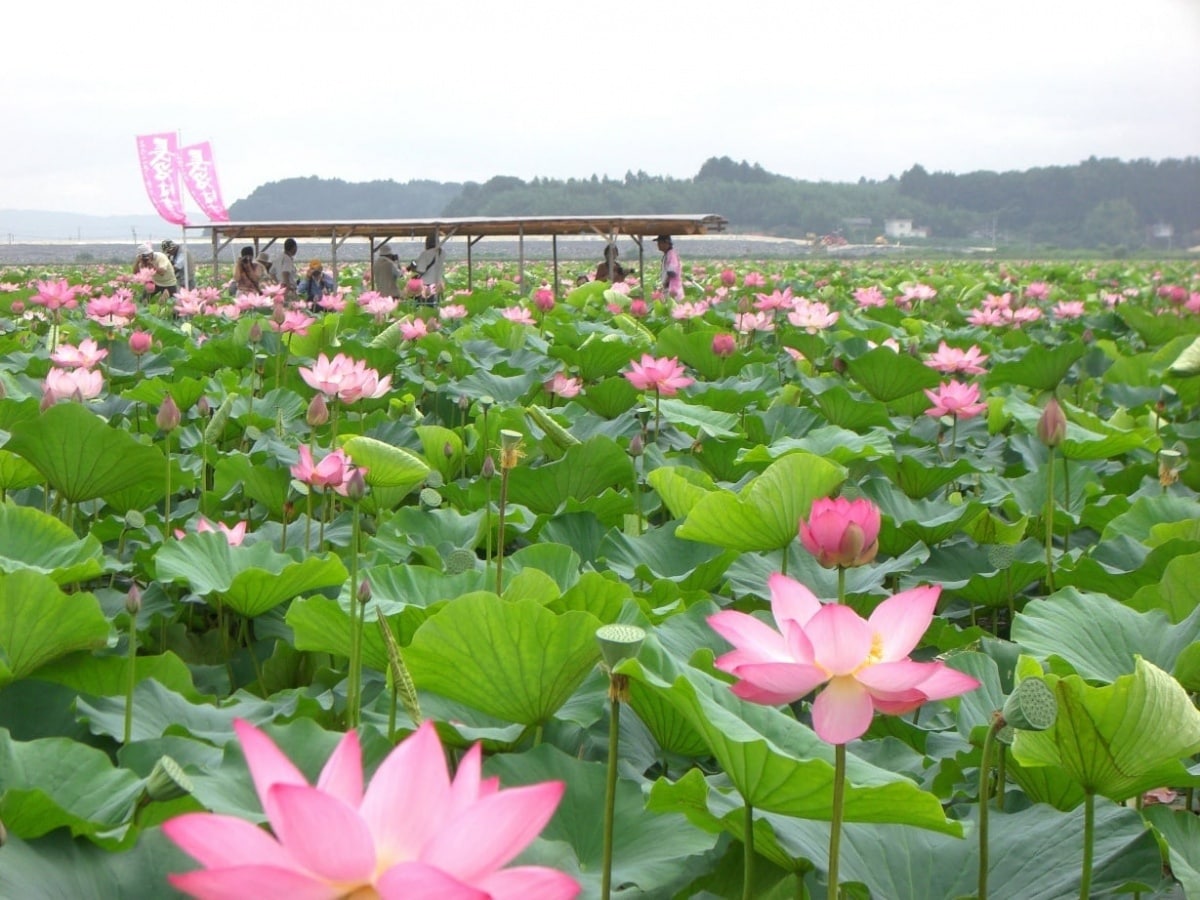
(822, 90)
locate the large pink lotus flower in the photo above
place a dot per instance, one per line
(295, 321)
(953, 398)
(840, 532)
(414, 832)
(518, 314)
(952, 360)
(55, 295)
(867, 297)
(863, 663)
(663, 375)
(564, 386)
(378, 305)
(1069, 309)
(1037, 290)
(811, 315)
(85, 356)
(775, 300)
(543, 298)
(724, 344)
(345, 378)
(71, 384)
(330, 472)
(750, 322)
(754, 279)
(413, 329)
(115, 311)
(233, 536)
(452, 311)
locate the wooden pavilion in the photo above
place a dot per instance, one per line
(378, 232)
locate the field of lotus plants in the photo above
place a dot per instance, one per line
(832, 579)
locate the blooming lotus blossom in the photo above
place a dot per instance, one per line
(863, 664)
(518, 314)
(54, 295)
(190, 303)
(1068, 309)
(952, 360)
(916, 292)
(413, 832)
(688, 310)
(775, 300)
(747, 323)
(638, 308)
(953, 398)
(985, 316)
(998, 301)
(1037, 290)
(345, 378)
(233, 536)
(812, 315)
(867, 297)
(295, 321)
(115, 311)
(664, 375)
(331, 472)
(728, 277)
(564, 386)
(1024, 315)
(334, 302)
(452, 311)
(754, 279)
(85, 356)
(378, 305)
(841, 533)
(71, 384)
(413, 329)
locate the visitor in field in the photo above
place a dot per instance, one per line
(315, 284)
(287, 269)
(610, 270)
(385, 272)
(429, 268)
(671, 281)
(164, 272)
(182, 263)
(247, 273)
(268, 272)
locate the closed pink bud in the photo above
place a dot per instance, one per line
(723, 344)
(139, 342)
(168, 414)
(1052, 426)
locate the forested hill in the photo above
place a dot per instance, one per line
(1099, 202)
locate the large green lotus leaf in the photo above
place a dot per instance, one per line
(59, 866)
(31, 539)
(1051, 785)
(1040, 367)
(220, 353)
(1154, 328)
(387, 466)
(659, 553)
(515, 660)
(1120, 739)
(39, 623)
(1175, 591)
(159, 711)
(558, 561)
(81, 456)
(434, 441)
(107, 676)
(779, 765)
(919, 478)
(609, 397)
(985, 583)
(1122, 566)
(250, 579)
(829, 442)
(59, 783)
(1100, 637)
(1147, 512)
(420, 587)
(930, 521)
(594, 593)
(1034, 853)
(887, 375)
(603, 356)
(680, 487)
(1181, 831)
(585, 471)
(1187, 668)
(152, 391)
(322, 625)
(852, 412)
(434, 527)
(504, 389)
(269, 485)
(705, 421)
(17, 472)
(649, 850)
(767, 513)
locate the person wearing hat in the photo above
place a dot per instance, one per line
(247, 273)
(315, 284)
(429, 268)
(671, 281)
(164, 272)
(181, 262)
(263, 261)
(385, 272)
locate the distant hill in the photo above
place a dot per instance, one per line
(26, 226)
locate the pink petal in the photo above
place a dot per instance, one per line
(326, 835)
(493, 831)
(842, 712)
(791, 601)
(413, 779)
(240, 882)
(892, 677)
(221, 841)
(841, 639)
(420, 881)
(751, 693)
(946, 682)
(342, 776)
(467, 785)
(529, 883)
(790, 681)
(901, 621)
(268, 766)
(750, 635)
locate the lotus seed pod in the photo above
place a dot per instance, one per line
(435, 480)
(459, 561)
(167, 781)
(619, 642)
(1031, 706)
(430, 498)
(1001, 556)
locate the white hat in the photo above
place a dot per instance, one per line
(146, 249)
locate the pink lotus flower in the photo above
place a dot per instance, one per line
(295, 322)
(812, 315)
(378, 305)
(951, 360)
(71, 384)
(1037, 290)
(724, 344)
(953, 398)
(867, 297)
(413, 329)
(754, 279)
(841, 533)
(518, 314)
(85, 356)
(335, 302)
(140, 342)
(863, 663)
(775, 300)
(687, 310)
(415, 287)
(1069, 309)
(413, 832)
(347, 379)
(747, 323)
(916, 291)
(55, 294)
(728, 277)
(233, 536)
(116, 311)
(564, 386)
(985, 316)
(330, 472)
(638, 308)
(452, 311)
(663, 376)
(543, 299)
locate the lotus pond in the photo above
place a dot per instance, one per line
(878, 575)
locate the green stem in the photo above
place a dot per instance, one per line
(1001, 777)
(657, 417)
(132, 679)
(167, 502)
(1089, 840)
(835, 828)
(610, 796)
(1050, 525)
(748, 851)
(1066, 502)
(985, 791)
(500, 530)
(841, 584)
(354, 686)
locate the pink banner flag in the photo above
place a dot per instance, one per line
(158, 154)
(200, 176)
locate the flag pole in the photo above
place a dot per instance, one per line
(187, 274)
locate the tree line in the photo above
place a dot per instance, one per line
(1098, 203)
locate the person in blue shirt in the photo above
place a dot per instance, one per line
(315, 284)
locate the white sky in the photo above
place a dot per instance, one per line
(821, 90)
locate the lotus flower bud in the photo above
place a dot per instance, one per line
(133, 600)
(543, 299)
(364, 592)
(637, 446)
(488, 470)
(255, 332)
(318, 412)
(1052, 426)
(168, 414)
(139, 342)
(728, 277)
(356, 484)
(723, 344)
(203, 407)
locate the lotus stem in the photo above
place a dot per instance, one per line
(131, 681)
(167, 502)
(354, 680)
(610, 792)
(500, 531)
(1089, 840)
(835, 829)
(1066, 502)
(1050, 524)
(985, 790)
(841, 584)
(748, 851)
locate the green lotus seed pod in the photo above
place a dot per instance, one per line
(430, 498)
(434, 479)
(460, 561)
(1031, 706)
(167, 781)
(1001, 556)
(619, 642)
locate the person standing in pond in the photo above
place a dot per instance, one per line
(264, 263)
(385, 272)
(164, 272)
(182, 263)
(287, 269)
(428, 267)
(247, 273)
(671, 281)
(315, 284)
(610, 270)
